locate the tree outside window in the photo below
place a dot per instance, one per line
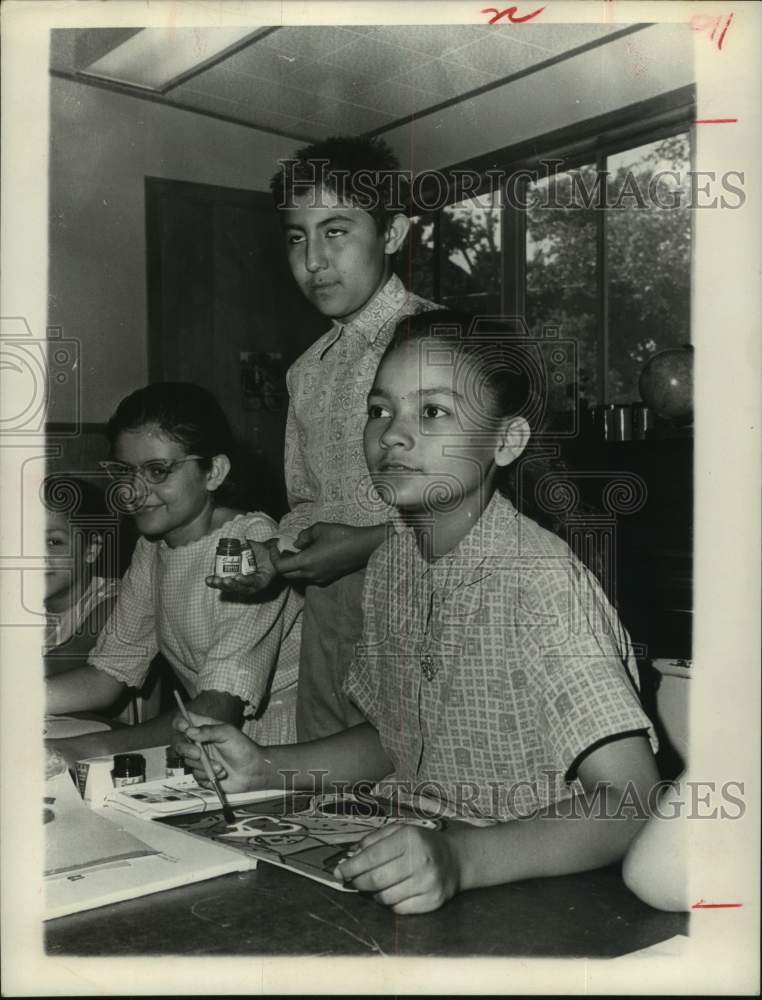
(618, 285)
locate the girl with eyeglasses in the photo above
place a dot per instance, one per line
(170, 458)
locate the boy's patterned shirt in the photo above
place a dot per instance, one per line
(326, 474)
(489, 672)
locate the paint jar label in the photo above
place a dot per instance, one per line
(134, 779)
(227, 565)
(248, 561)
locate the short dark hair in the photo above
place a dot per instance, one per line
(185, 412)
(337, 163)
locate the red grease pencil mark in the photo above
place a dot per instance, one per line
(511, 14)
(724, 30)
(701, 905)
(715, 121)
(711, 24)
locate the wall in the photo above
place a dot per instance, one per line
(102, 146)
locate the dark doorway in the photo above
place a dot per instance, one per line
(224, 312)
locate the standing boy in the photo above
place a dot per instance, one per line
(341, 257)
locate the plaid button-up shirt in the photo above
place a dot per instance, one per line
(326, 474)
(489, 672)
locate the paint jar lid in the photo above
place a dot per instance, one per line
(229, 547)
(129, 765)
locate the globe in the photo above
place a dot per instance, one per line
(666, 384)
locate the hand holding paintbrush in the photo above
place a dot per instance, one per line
(227, 812)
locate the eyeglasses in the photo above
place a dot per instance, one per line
(153, 472)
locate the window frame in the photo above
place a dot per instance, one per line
(588, 142)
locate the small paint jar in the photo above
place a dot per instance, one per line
(248, 559)
(129, 769)
(227, 560)
(175, 764)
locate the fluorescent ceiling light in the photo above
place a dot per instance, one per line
(156, 58)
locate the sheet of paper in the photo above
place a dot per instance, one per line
(97, 857)
(76, 838)
(62, 727)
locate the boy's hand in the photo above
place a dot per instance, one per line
(248, 586)
(328, 552)
(238, 762)
(405, 867)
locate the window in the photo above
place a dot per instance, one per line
(561, 255)
(648, 266)
(599, 245)
(470, 255)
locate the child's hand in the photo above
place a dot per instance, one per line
(247, 587)
(237, 761)
(328, 552)
(407, 868)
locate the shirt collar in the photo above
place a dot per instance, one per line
(471, 557)
(387, 301)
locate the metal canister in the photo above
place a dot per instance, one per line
(642, 421)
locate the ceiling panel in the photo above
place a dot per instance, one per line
(499, 56)
(442, 79)
(393, 98)
(241, 109)
(556, 37)
(310, 43)
(369, 60)
(428, 39)
(306, 81)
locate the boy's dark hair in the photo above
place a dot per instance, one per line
(363, 170)
(185, 412)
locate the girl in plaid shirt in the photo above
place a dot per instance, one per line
(493, 672)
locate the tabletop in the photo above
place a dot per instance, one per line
(271, 911)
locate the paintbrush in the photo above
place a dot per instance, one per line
(227, 812)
